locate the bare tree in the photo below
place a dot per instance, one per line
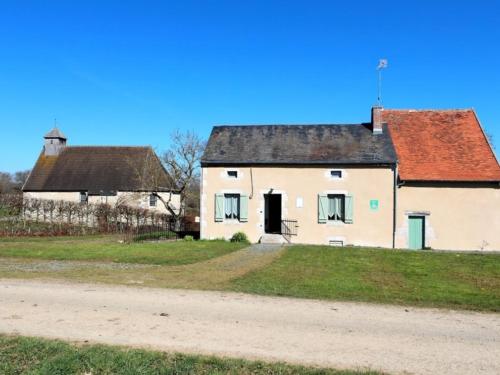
(182, 162)
(177, 172)
(5, 182)
(490, 140)
(20, 178)
(12, 182)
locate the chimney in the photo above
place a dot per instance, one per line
(377, 119)
(55, 141)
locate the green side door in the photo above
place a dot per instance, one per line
(417, 225)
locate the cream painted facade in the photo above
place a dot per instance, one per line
(299, 188)
(133, 199)
(457, 217)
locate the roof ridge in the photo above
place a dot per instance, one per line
(471, 109)
(266, 125)
(106, 146)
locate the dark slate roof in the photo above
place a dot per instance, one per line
(97, 169)
(298, 144)
(55, 133)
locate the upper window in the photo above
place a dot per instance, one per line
(232, 206)
(232, 174)
(152, 200)
(335, 174)
(336, 207)
(84, 198)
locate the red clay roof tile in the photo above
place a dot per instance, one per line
(441, 145)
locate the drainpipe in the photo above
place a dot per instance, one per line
(394, 204)
(251, 183)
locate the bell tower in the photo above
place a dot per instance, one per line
(55, 141)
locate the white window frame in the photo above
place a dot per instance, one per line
(328, 174)
(342, 219)
(155, 198)
(84, 193)
(232, 219)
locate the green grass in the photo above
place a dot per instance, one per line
(24, 355)
(109, 249)
(451, 280)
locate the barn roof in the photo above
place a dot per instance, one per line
(98, 170)
(441, 145)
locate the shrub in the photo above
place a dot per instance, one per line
(240, 237)
(154, 236)
(188, 238)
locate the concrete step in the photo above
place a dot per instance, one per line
(269, 238)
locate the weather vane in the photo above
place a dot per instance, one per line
(382, 64)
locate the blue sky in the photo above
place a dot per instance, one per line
(128, 73)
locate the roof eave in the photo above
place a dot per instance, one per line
(214, 163)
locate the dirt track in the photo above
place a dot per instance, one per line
(345, 335)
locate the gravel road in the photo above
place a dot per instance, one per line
(337, 334)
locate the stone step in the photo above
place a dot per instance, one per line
(269, 238)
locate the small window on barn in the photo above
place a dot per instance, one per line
(335, 173)
(232, 174)
(152, 200)
(84, 198)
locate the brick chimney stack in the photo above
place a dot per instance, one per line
(377, 119)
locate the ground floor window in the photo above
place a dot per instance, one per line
(152, 200)
(232, 206)
(336, 207)
(84, 198)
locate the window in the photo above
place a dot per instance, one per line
(84, 198)
(336, 174)
(152, 200)
(232, 206)
(232, 174)
(336, 205)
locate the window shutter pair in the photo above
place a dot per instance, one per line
(323, 209)
(219, 208)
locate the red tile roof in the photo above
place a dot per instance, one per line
(441, 145)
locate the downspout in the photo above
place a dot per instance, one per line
(394, 205)
(202, 211)
(251, 184)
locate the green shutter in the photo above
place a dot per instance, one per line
(349, 209)
(244, 208)
(322, 208)
(219, 207)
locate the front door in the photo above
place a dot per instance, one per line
(416, 232)
(272, 213)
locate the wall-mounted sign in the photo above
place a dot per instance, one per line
(374, 204)
(300, 202)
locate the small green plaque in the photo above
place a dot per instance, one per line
(374, 204)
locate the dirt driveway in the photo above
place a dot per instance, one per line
(344, 335)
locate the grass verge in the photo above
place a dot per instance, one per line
(450, 280)
(25, 355)
(109, 249)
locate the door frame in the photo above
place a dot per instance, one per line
(276, 228)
